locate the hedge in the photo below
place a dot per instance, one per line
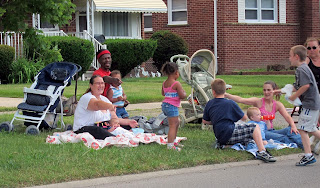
(129, 53)
(75, 50)
(169, 44)
(6, 58)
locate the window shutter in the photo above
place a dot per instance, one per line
(282, 11)
(241, 11)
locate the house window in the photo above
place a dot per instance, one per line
(177, 12)
(147, 22)
(259, 11)
(115, 24)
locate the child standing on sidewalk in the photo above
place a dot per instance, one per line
(307, 90)
(173, 92)
(117, 96)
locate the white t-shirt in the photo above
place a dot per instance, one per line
(84, 117)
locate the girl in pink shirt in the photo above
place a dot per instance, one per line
(173, 92)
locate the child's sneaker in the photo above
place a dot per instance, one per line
(174, 148)
(306, 160)
(265, 156)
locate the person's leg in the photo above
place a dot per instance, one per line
(258, 139)
(95, 131)
(305, 141)
(173, 128)
(272, 134)
(293, 138)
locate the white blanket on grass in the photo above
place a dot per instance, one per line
(272, 144)
(122, 140)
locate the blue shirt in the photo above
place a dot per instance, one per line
(263, 128)
(222, 113)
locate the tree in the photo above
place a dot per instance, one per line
(14, 13)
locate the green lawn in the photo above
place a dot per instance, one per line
(28, 160)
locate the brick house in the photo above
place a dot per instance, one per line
(250, 33)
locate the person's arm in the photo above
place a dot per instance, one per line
(282, 110)
(248, 101)
(110, 96)
(206, 122)
(300, 91)
(244, 118)
(112, 81)
(124, 96)
(131, 122)
(95, 105)
(182, 94)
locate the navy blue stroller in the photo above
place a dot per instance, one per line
(38, 109)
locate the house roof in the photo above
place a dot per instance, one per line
(144, 6)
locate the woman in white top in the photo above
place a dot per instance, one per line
(93, 107)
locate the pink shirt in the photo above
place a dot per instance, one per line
(170, 95)
(265, 112)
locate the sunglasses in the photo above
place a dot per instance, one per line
(313, 47)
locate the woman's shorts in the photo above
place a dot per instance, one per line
(170, 110)
(308, 120)
(242, 133)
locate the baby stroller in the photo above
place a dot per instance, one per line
(38, 109)
(198, 72)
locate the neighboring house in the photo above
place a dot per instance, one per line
(100, 19)
(250, 33)
(111, 18)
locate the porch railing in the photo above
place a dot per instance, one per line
(97, 45)
(15, 40)
(54, 33)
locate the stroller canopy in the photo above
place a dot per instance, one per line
(57, 73)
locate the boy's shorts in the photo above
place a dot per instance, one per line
(242, 133)
(170, 110)
(122, 113)
(308, 120)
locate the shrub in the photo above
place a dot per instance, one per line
(169, 44)
(6, 58)
(75, 50)
(128, 53)
(38, 49)
(24, 71)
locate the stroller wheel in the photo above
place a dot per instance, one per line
(32, 130)
(5, 126)
(182, 120)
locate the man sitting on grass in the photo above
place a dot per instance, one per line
(223, 113)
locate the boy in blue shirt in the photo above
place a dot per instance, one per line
(307, 90)
(223, 113)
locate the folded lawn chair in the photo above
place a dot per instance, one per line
(38, 109)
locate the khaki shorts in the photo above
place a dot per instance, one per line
(308, 120)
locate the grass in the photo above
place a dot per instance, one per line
(28, 160)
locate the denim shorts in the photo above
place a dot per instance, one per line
(170, 110)
(122, 113)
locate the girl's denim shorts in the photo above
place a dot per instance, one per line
(170, 110)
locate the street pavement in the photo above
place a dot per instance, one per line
(247, 174)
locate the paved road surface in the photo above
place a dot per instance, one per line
(246, 174)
